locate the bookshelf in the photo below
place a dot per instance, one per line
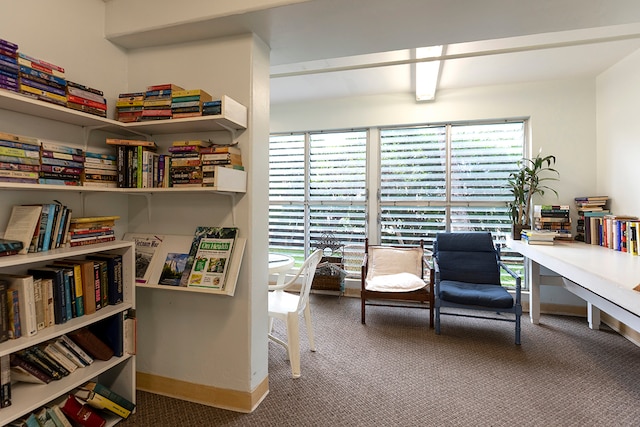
(118, 372)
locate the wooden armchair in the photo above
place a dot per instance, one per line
(395, 276)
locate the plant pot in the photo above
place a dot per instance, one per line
(516, 230)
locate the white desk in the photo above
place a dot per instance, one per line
(279, 264)
(602, 277)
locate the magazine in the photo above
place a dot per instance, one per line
(147, 247)
(209, 257)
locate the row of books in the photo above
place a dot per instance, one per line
(54, 294)
(42, 227)
(31, 160)
(165, 101)
(190, 163)
(42, 80)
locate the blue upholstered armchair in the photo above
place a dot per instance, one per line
(467, 276)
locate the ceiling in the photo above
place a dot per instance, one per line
(326, 48)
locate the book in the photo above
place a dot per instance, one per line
(212, 263)
(57, 416)
(81, 414)
(22, 224)
(131, 142)
(25, 371)
(13, 308)
(53, 352)
(147, 246)
(115, 403)
(40, 302)
(48, 360)
(87, 275)
(5, 381)
(23, 283)
(91, 344)
(111, 332)
(4, 311)
(115, 280)
(56, 275)
(28, 356)
(76, 349)
(69, 353)
(78, 285)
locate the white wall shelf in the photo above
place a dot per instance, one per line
(230, 282)
(233, 117)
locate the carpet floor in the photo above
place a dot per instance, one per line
(395, 371)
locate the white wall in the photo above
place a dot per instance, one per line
(208, 339)
(618, 130)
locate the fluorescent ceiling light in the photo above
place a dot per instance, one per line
(427, 73)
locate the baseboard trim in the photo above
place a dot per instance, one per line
(232, 400)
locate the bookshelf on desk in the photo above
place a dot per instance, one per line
(604, 278)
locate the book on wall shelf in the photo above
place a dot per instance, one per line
(167, 263)
(214, 260)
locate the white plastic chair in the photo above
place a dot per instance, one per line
(287, 307)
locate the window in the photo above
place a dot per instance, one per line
(425, 179)
(317, 187)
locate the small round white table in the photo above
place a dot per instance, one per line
(279, 264)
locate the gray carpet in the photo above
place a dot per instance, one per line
(394, 371)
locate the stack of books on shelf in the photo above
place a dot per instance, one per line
(538, 237)
(129, 107)
(188, 103)
(219, 156)
(61, 164)
(157, 102)
(589, 207)
(18, 160)
(212, 108)
(87, 99)
(40, 227)
(137, 163)
(185, 167)
(9, 66)
(92, 229)
(553, 218)
(100, 170)
(10, 247)
(42, 80)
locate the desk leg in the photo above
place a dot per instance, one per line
(532, 273)
(593, 316)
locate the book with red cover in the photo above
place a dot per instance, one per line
(83, 415)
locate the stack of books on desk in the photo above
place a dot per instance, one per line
(538, 237)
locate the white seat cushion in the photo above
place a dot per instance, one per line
(399, 282)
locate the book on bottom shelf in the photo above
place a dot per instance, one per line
(102, 397)
(81, 414)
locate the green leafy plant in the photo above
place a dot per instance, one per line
(530, 179)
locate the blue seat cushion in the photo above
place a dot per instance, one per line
(494, 296)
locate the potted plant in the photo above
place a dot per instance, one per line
(530, 179)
